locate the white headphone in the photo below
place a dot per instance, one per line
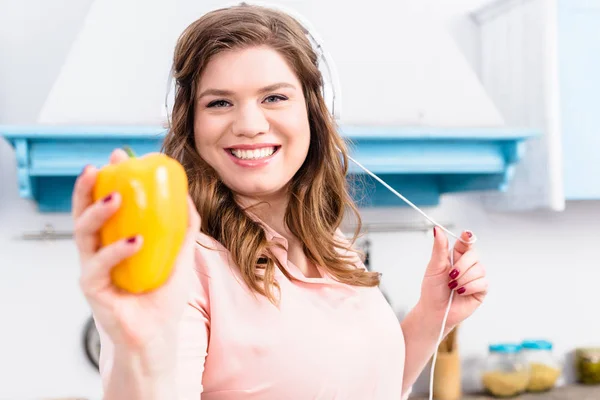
(331, 85)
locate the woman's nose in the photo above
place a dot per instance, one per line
(250, 121)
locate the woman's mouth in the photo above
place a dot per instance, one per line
(254, 154)
(253, 157)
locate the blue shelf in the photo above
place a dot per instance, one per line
(421, 163)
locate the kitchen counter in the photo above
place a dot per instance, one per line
(571, 392)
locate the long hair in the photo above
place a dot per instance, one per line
(319, 194)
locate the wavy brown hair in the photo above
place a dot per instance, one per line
(319, 193)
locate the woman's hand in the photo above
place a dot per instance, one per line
(467, 278)
(421, 326)
(131, 321)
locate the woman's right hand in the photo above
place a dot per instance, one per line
(135, 321)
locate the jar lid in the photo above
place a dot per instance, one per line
(504, 348)
(592, 354)
(536, 345)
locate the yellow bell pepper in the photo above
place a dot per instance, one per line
(153, 190)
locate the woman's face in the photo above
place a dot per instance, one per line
(251, 122)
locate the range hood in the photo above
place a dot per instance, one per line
(413, 108)
(410, 72)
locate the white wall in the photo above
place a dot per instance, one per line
(542, 268)
(43, 312)
(391, 51)
(42, 309)
(541, 255)
(35, 37)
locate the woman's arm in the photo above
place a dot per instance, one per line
(422, 325)
(421, 334)
(139, 374)
(167, 369)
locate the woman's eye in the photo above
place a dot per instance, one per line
(275, 98)
(218, 103)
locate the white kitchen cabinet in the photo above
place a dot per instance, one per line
(579, 75)
(540, 64)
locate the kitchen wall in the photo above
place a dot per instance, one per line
(542, 269)
(541, 266)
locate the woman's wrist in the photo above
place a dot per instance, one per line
(421, 330)
(153, 360)
(427, 324)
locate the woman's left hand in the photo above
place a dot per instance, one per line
(467, 278)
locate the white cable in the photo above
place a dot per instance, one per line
(471, 241)
(391, 189)
(441, 334)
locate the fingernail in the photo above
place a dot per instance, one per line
(132, 240)
(107, 198)
(461, 290)
(453, 273)
(434, 232)
(453, 284)
(469, 234)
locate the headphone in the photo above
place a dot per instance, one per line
(331, 83)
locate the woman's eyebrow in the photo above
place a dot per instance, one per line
(222, 92)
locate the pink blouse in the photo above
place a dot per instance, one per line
(327, 340)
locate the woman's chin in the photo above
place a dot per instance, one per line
(259, 190)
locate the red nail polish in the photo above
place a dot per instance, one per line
(453, 273)
(461, 290)
(469, 234)
(453, 284)
(132, 240)
(107, 198)
(434, 231)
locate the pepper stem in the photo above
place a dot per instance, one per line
(129, 152)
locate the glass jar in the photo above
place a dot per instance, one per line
(544, 369)
(505, 373)
(587, 365)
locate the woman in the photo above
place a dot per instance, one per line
(267, 299)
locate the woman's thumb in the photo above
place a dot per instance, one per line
(440, 253)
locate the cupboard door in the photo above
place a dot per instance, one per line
(579, 74)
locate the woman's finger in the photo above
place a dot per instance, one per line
(477, 288)
(82, 191)
(90, 222)
(87, 222)
(472, 273)
(461, 247)
(117, 156)
(95, 275)
(468, 259)
(84, 184)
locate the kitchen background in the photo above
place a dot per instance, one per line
(522, 65)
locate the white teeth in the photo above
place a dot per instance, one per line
(253, 154)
